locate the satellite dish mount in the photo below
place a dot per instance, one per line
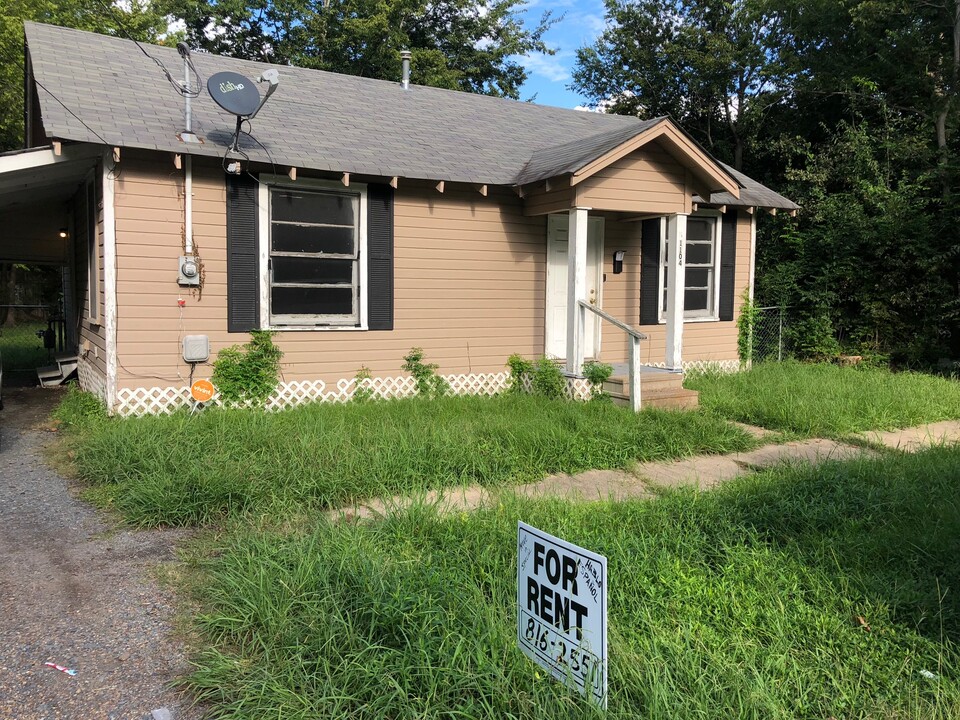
(238, 95)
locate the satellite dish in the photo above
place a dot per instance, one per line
(235, 93)
(238, 95)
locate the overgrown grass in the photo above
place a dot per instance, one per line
(194, 469)
(827, 400)
(21, 349)
(745, 602)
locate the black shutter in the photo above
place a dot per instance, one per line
(728, 263)
(380, 257)
(243, 271)
(650, 272)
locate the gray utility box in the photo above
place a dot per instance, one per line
(196, 348)
(188, 272)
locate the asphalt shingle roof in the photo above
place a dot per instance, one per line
(325, 121)
(757, 194)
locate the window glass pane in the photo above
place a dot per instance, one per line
(311, 301)
(311, 270)
(299, 238)
(700, 229)
(699, 254)
(311, 207)
(697, 278)
(695, 300)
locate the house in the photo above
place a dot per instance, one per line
(365, 217)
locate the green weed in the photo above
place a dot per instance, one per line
(795, 593)
(193, 469)
(827, 400)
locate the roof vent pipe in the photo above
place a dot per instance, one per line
(405, 58)
(184, 51)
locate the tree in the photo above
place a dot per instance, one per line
(713, 66)
(469, 45)
(137, 19)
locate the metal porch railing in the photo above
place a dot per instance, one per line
(633, 360)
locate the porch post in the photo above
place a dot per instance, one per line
(676, 241)
(109, 279)
(576, 286)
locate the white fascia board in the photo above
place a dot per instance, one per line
(42, 157)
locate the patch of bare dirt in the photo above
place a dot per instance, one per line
(75, 591)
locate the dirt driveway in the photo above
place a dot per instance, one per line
(75, 591)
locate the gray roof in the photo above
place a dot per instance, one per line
(554, 160)
(325, 121)
(752, 193)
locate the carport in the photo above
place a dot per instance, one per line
(43, 201)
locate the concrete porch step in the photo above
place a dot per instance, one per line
(662, 390)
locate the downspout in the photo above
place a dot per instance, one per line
(188, 160)
(188, 205)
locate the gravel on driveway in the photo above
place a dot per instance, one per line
(76, 591)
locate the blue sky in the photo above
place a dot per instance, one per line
(549, 75)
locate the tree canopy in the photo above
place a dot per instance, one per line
(139, 20)
(850, 108)
(469, 45)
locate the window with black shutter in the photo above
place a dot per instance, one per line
(314, 257)
(709, 268)
(328, 250)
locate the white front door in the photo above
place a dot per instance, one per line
(556, 315)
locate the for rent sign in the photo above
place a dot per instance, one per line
(562, 610)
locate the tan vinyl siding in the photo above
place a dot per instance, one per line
(469, 282)
(91, 334)
(538, 201)
(648, 180)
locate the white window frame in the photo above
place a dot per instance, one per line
(263, 207)
(710, 315)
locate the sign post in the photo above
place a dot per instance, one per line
(201, 391)
(562, 610)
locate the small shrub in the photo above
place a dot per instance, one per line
(597, 373)
(746, 323)
(429, 384)
(520, 368)
(362, 391)
(79, 408)
(547, 379)
(248, 373)
(813, 337)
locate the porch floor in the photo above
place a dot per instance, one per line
(623, 368)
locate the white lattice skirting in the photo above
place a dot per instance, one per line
(724, 366)
(91, 380)
(157, 400)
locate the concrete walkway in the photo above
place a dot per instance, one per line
(702, 471)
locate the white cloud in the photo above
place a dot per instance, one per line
(174, 25)
(590, 25)
(551, 67)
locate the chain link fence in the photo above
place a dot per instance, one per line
(771, 335)
(29, 337)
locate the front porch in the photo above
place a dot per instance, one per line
(644, 262)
